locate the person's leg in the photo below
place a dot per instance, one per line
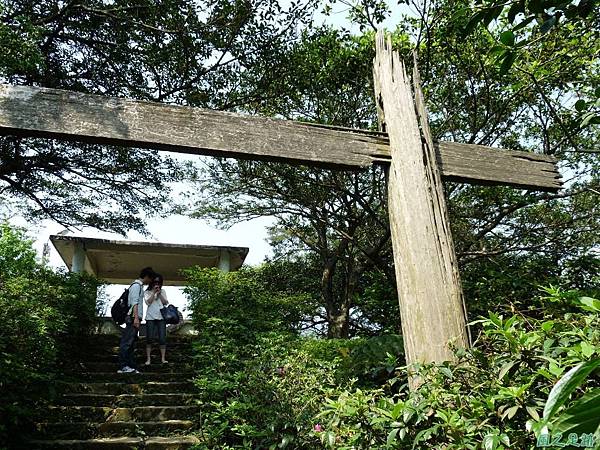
(127, 339)
(150, 325)
(131, 351)
(162, 339)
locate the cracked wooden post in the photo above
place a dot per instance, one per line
(429, 289)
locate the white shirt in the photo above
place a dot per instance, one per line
(154, 304)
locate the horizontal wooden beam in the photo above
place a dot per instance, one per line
(51, 113)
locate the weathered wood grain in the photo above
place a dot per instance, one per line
(51, 113)
(429, 291)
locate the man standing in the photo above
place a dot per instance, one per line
(132, 322)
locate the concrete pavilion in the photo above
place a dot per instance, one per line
(119, 262)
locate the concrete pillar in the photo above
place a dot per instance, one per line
(78, 265)
(224, 261)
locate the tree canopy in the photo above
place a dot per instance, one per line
(471, 98)
(177, 51)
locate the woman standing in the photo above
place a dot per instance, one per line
(156, 299)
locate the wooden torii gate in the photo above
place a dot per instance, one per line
(429, 290)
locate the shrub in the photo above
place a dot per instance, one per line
(261, 382)
(492, 397)
(265, 386)
(42, 312)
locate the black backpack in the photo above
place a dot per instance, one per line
(120, 308)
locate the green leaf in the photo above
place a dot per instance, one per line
(492, 14)
(505, 368)
(587, 350)
(590, 304)
(533, 412)
(446, 371)
(590, 118)
(392, 436)
(507, 38)
(287, 439)
(330, 438)
(490, 441)
(555, 369)
(510, 412)
(507, 62)
(473, 22)
(548, 325)
(580, 105)
(497, 50)
(566, 385)
(582, 417)
(535, 6)
(515, 9)
(397, 410)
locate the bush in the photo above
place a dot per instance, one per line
(261, 382)
(492, 398)
(263, 385)
(41, 313)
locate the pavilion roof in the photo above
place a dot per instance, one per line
(119, 262)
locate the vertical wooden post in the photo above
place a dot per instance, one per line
(429, 289)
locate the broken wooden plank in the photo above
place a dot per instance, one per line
(51, 113)
(429, 291)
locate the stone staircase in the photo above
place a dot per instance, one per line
(100, 409)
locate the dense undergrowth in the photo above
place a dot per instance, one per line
(264, 385)
(42, 313)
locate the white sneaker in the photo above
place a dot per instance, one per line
(126, 369)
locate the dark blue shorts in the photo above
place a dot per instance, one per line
(154, 329)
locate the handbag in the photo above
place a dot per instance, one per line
(170, 314)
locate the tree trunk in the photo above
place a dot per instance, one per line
(338, 312)
(339, 323)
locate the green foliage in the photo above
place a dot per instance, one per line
(492, 398)
(42, 313)
(261, 383)
(376, 305)
(266, 397)
(16, 253)
(520, 26)
(177, 51)
(19, 42)
(508, 241)
(242, 301)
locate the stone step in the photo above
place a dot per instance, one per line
(141, 343)
(108, 357)
(121, 443)
(152, 387)
(131, 377)
(99, 414)
(108, 367)
(113, 348)
(127, 400)
(87, 430)
(112, 337)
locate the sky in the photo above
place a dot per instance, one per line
(184, 230)
(175, 230)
